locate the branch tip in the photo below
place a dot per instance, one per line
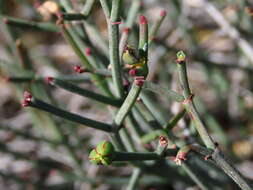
(27, 99)
(143, 20)
(163, 13)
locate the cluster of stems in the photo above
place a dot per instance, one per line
(125, 92)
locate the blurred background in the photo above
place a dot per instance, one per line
(217, 39)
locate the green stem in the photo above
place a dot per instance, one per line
(86, 93)
(184, 79)
(194, 177)
(67, 5)
(36, 103)
(113, 30)
(134, 179)
(105, 7)
(21, 79)
(73, 16)
(175, 120)
(76, 48)
(143, 36)
(123, 41)
(191, 109)
(152, 136)
(96, 78)
(228, 168)
(88, 7)
(156, 26)
(21, 23)
(131, 16)
(133, 10)
(127, 104)
(134, 156)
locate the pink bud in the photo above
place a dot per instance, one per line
(163, 13)
(142, 20)
(27, 99)
(27, 95)
(78, 69)
(88, 51)
(132, 72)
(139, 82)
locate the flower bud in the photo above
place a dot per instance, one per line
(129, 56)
(102, 154)
(180, 56)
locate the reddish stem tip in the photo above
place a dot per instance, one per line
(49, 80)
(126, 30)
(139, 81)
(88, 51)
(27, 99)
(143, 20)
(163, 13)
(132, 72)
(79, 69)
(163, 141)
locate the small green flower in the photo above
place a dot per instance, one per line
(181, 56)
(129, 56)
(102, 154)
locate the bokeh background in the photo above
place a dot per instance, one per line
(217, 38)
